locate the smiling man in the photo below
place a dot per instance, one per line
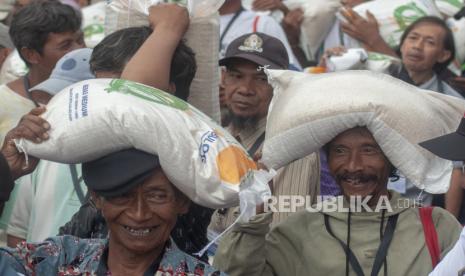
(383, 241)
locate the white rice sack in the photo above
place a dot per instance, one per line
(319, 17)
(93, 23)
(13, 68)
(449, 7)
(458, 29)
(202, 36)
(308, 111)
(378, 62)
(394, 16)
(96, 117)
(353, 59)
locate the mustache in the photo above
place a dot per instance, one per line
(359, 177)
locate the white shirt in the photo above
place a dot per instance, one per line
(454, 261)
(244, 25)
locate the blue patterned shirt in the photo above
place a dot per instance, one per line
(69, 255)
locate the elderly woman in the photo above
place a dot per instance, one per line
(140, 206)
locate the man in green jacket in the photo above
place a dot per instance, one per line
(384, 237)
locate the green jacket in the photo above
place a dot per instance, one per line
(301, 245)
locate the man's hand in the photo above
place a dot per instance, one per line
(365, 31)
(269, 5)
(30, 127)
(171, 16)
(335, 51)
(291, 24)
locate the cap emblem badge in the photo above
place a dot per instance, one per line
(252, 44)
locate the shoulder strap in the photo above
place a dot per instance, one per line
(27, 87)
(255, 24)
(440, 86)
(352, 259)
(76, 184)
(226, 29)
(431, 236)
(256, 145)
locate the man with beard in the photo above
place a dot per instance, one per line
(384, 238)
(248, 96)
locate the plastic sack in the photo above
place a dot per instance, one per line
(308, 111)
(449, 8)
(359, 59)
(96, 117)
(458, 29)
(93, 23)
(394, 16)
(378, 62)
(319, 17)
(353, 59)
(13, 68)
(202, 36)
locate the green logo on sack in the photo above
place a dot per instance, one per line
(404, 16)
(455, 3)
(147, 93)
(407, 14)
(180, 2)
(93, 29)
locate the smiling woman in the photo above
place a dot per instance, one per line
(140, 206)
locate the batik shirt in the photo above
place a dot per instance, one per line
(68, 255)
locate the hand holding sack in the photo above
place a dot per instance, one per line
(93, 118)
(394, 16)
(308, 111)
(202, 36)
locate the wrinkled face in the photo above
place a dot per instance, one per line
(141, 220)
(58, 45)
(423, 47)
(246, 90)
(358, 164)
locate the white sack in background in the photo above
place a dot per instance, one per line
(319, 17)
(93, 118)
(13, 68)
(449, 7)
(394, 16)
(202, 36)
(93, 23)
(308, 111)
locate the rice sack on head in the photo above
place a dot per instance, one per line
(96, 117)
(308, 111)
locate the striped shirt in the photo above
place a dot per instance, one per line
(301, 177)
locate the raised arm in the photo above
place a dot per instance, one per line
(152, 62)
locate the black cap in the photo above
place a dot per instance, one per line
(118, 172)
(259, 48)
(450, 146)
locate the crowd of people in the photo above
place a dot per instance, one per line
(121, 215)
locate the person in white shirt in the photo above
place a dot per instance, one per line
(452, 147)
(235, 21)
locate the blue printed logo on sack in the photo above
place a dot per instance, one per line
(78, 103)
(207, 140)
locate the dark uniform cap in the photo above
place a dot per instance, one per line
(450, 146)
(119, 172)
(259, 48)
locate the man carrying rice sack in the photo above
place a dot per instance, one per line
(248, 97)
(369, 135)
(181, 155)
